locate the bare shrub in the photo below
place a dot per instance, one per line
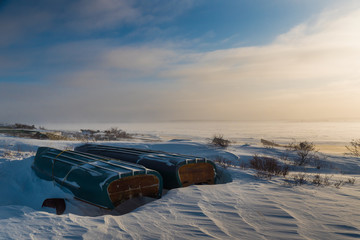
(317, 180)
(264, 164)
(268, 165)
(115, 133)
(219, 141)
(351, 181)
(305, 151)
(326, 181)
(354, 148)
(299, 179)
(339, 183)
(285, 170)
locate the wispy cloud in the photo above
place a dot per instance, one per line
(81, 17)
(88, 15)
(311, 51)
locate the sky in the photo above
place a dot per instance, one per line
(104, 61)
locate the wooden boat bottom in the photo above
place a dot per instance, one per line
(196, 173)
(132, 187)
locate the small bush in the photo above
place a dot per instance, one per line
(219, 141)
(326, 181)
(351, 181)
(114, 133)
(317, 180)
(264, 164)
(354, 148)
(268, 165)
(299, 179)
(305, 151)
(339, 183)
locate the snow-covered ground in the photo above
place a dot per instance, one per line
(242, 207)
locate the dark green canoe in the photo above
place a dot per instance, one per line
(177, 170)
(97, 180)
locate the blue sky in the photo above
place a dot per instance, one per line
(113, 61)
(204, 24)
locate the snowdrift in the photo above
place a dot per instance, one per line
(247, 207)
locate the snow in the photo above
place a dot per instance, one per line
(242, 207)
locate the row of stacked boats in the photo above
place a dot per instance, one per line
(106, 176)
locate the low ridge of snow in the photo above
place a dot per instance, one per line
(242, 207)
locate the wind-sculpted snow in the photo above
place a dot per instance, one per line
(245, 208)
(20, 186)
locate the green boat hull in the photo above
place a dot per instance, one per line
(177, 170)
(100, 181)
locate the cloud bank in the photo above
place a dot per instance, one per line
(309, 73)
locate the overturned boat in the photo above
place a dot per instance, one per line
(177, 170)
(96, 180)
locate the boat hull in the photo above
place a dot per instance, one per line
(97, 180)
(176, 170)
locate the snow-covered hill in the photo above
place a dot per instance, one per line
(242, 207)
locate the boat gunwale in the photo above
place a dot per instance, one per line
(141, 168)
(156, 155)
